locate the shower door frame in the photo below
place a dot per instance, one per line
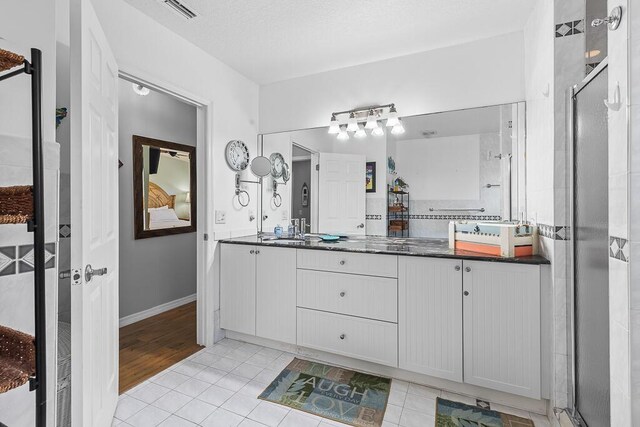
(572, 93)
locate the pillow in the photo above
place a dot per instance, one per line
(161, 207)
(163, 215)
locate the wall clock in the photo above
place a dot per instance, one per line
(237, 154)
(277, 165)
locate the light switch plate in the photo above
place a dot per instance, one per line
(221, 217)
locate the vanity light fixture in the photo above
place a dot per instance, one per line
(352, 124)
(140, 90)
(392, 118)
(343, 135)
(360, 133)
(334, 127)
(398, 128)
(359, 120)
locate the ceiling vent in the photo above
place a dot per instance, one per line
(180, 9)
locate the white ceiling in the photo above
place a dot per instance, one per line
(272, 40)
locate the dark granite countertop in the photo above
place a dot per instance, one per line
(436, 248)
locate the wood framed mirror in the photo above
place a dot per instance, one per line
(164, 187)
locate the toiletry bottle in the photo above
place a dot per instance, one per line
(291, 230)
(278, 231)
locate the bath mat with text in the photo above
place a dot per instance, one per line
(339, 394)
(455, 414)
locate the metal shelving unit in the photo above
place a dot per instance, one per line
(397, 213)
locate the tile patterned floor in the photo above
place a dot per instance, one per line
(217, 387)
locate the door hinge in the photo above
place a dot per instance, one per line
(317, 167)
(206, 237)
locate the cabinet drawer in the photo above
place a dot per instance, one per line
(349, 262)
(350, 294)
(356, 337)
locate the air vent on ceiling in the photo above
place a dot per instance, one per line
(180, 9)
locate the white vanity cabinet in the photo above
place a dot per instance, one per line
(502, 339)
(430, 316)
(258, 291)
(238, 288)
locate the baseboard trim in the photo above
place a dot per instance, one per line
(136, 317)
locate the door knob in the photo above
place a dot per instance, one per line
(342, 294)
(465, 293)
(343, 336)
(361, 225)
(89, 272)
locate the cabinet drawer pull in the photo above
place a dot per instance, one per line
(465, 293)
(343, 262)
(343, 336)
(457, 268)
(257, 252)
(342, 294)
(252, 252)
(467, 269)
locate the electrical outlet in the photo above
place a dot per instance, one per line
(221, 217)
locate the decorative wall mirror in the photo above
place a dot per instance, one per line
(164, 182)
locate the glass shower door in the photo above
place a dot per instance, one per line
(591, 251)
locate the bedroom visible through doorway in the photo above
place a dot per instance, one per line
(158, 135)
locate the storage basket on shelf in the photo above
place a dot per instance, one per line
(9, 60)
(16, 204)
(17, 358)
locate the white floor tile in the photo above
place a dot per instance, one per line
(211, 375)
(171, 379)
(215, 395)
(399, 385)
(227, 364)
(421, 390)
(241, 405)
(128, 406)
(149, 392)
(189, 368)
(268, 413)
(422, 404)
(270, 352)
(252, 389)
(239, 354)
(205, 358)
(247, 371)
(411, 418)
(262, 361)
(218, 349)
(251, 348)
(192, 387)
(299, 419)
(174, 421)
(222, 418)
(232, 382)
(172, 401)
(388, 424)
(397, 398)
(150, 416)
(267, 376)
(250, 423)
(393, 413)
(196, 411)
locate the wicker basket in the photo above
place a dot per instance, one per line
(17, 358)
(8, 60)
(16, 204)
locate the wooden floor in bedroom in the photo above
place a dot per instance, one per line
(150, 346)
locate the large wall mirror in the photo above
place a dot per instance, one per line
(164, 180)
(465, 164)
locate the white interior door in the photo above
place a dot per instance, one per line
(94, 215)
(342, 196)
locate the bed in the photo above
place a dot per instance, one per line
(161, 210)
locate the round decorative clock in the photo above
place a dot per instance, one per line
(277, 165)
(237, 154)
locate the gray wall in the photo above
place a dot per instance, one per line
(301, 174)
(160, 269)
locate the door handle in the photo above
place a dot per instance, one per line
(89, 272)
(361, 225)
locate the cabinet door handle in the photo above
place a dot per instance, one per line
(257, 252)
(342, 294)
(465, 293)
(467, 269)
(343, 336)
(457, 268)
(343, 262)
(252, 252)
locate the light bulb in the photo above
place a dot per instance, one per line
(343, 135)
(378, 131)
(360, 133)
(372, 123)
(392, 119)
(334, 127)
(140, 90)
(352, 124)
(398, 129)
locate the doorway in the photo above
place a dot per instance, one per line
(157, 233)
(301, 185)
(590, 250)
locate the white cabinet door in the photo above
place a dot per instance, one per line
(238, 288)
(276, 294)
(502, 326)
(430, 316)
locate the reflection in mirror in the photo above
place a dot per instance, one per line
(261, 166)
(165, 187)
(466, 164)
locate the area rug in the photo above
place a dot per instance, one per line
(338, 394)
(456, 414)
